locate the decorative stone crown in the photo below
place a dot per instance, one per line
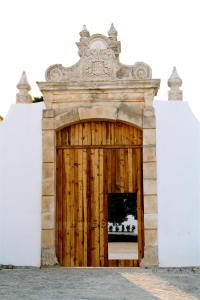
(99, 61)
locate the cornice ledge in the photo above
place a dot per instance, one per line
(104, 85)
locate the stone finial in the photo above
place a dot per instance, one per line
(84, 32)
(24, 88)
(112, 33)
(175, 82)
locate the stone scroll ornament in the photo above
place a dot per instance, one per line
(99, 61)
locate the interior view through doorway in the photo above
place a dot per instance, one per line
(99, 205)
(122, 226)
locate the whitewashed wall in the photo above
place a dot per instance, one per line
(20, 185)
(178, 156)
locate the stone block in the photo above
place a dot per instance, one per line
(48, 204)
(150, 257)
(131, 113)
(148, 97)
(69, 117)
(149, 120)
(149, 153)
(150, 237)
(48, 185)
(149, 136)
(48, 141)
(48, 220)
(92, 111)
(150, 186)
(48, 113)
(48, 238)
(49, 257)
(150, 204)
(150, 221)
(149, 170)
(48, 123)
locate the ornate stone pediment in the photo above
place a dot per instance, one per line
(99, 61)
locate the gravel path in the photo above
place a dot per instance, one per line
(104, 283)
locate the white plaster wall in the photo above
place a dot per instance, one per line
(20, 185)
(178, 167)
(178, 156)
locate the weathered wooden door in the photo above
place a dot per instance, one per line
(94, 159)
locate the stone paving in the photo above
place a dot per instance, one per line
(100, 284)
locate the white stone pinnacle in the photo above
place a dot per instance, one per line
(23, 83)
(84, 28)
(175, 82)
(24, 88)
(174, 78)
(112, 31)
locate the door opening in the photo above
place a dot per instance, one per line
(122, 226)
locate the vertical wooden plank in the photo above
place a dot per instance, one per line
(134, 169)
(113, 170)
(59, 200)
(109, 170)
(123, 134)
(84, 135)
(96, 205)
(140, 205)
(85, 204)
(116, 134)
(93, 206)
(93, 133)
(97, 126)
(64, 207)
(67, 237)
(117, 171)
(76, 207)
(94, 190)
(102, 220)
(107, 133)
(126, 171)
(79, 200)
(76, 133)
(112, 133)
(58, 138)
(89, 208)
(122, 172)
(105, 204)
(72, 208)
(103, 133)
(130, 170)
(72, 129)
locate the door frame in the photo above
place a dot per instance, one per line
(53, 121)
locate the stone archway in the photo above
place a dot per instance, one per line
(51, 123)
(99, 87)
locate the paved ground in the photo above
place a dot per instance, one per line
(99, 284)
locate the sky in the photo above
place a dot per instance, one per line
(35, 34)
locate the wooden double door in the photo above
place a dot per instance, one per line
(93, 160)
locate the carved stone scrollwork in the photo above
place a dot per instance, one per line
(141, 71)
(54, 73)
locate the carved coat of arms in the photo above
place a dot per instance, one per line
(98, 64)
